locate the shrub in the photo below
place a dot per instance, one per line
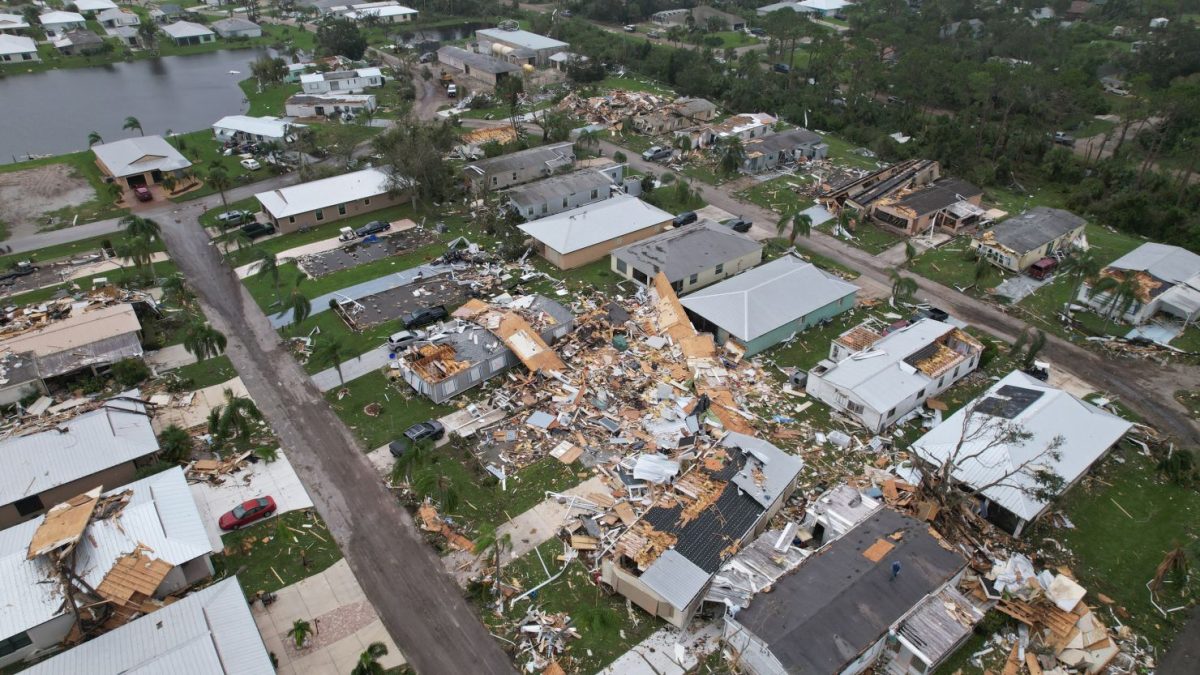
(130, 372)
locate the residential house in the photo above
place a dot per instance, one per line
(18, 49)
(189, 33)
(342, 81)
(93, 7)
(295, 70)
(671, 17)
(948, 203)
(997, 444)
(246, 128)
(519, 167)
(1078, 9)
(861, 193)
(126, 548)
(682, 113)
(1023, 240)
(855, 603)
(115, 18)
(327, 105)
(758, 309)
(708, 513)
(744, 127)
(56, 23)
(519, 47)
(793, 5)
(692, 256)
(102, 447)
(235, 27)
(12, 24)
(707, 18)
(1168, 285)
(209, 632)
(77, 42)
(786, 147)
(484, 341)
(972, 28)
(383, 12)
(87, 339)
(564, 192)
(586, 234)
(825, 7)
(299, 207)
(486, 69)
(877, 378)
(563, 61)
(143, 160)
(166, 13)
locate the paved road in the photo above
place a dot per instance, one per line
(420, 605)
(1145, 386)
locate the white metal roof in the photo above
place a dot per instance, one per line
(161, 515)
(769, 476)
(319, 194)
(879, 375)
(106, 437)
(93, 5)
(521, 38)
(131, 156)
(1087, 432)
(675, 578)
(183, 29)
(57, 17)
(595, 223)
(1166, 262)
(12, 21)
(271, 127)
(209, 632)
(379, 9)
(16, 44)
(825, 5)
(760, 300)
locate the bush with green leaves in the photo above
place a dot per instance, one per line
(130, 372)
(175, 444)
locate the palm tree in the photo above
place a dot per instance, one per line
(298, 304)
(131, 123)
(984, 270)
(1122, 295)
(174, 443)
(1078, 269)
(902, 287)
(236, 418)
(219, 180)
(176, 292)
(432, 483)
(268, 266)
(492, 544)
(416, 456)
(137, 226)
(801, 225)
(94, 138)
(202, 340)
(299, 632)
(332, 352)
(732, 155)
(140, 250)
(588, 138)
(236, 241)
(368, 661)
(148, 33)
(115, 191)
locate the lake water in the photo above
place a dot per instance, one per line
(53, 112)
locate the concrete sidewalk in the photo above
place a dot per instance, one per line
(352, 369)
(342, 618)
(169, 358)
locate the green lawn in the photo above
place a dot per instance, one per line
(634, 84)
(1014, 202)
(1126, 518)
(842, 151)
(868, 236)
(206, 373)
(270, 100)
(949, 264)
(811, 346)
(82, 164)
(59, 251)
(277, 552)
(670, 198)
(733, 38)
(401, 407)
(607, 628)
(777, 194)
(205, 153)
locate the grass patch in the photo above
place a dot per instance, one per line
(1014, 201)
(669, 198)
(843, 152)
(270, 100)
(634, 84)
(778, 195)
(206, 153)
(868, 236)
(401, 408)
(58, 251)
(948, 264)
(277, 552)
(606, 632)
(201, 374)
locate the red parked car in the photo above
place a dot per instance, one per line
(142, 193)
(247, 512)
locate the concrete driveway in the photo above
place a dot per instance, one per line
(276, 479)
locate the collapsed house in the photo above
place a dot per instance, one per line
(97, 561)
(209, 632)
(877, 378)
(515, 168)
(862, 192)
(556, 194)
(665, 560)
(484, 341)
(1168, 283)
(679, 114)
(68, 453)
(63, 338)
(611, 109)
(1020, 242)
(997, 445)
(950, 204)
(785, 148)
(744, 127)
(883, 593)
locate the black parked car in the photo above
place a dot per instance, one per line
(424, 317)
(256, 229)
(933, 313)
(739, 224)
(685, 218)
(373, 227)
(431, 430)
(782, 68)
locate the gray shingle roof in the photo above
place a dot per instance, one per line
(767, 297)
(1035, 227)
(684, 251)
(547, 154)
(557, 187)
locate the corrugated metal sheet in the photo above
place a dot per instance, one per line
(92, 442)
(675, 578)
(208, 632)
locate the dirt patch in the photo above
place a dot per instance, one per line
(27, 196)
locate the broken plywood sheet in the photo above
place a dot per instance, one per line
(63, 524)
(566, 452)
(133, 575)
(878, 550)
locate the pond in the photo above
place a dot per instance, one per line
(52, 112)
